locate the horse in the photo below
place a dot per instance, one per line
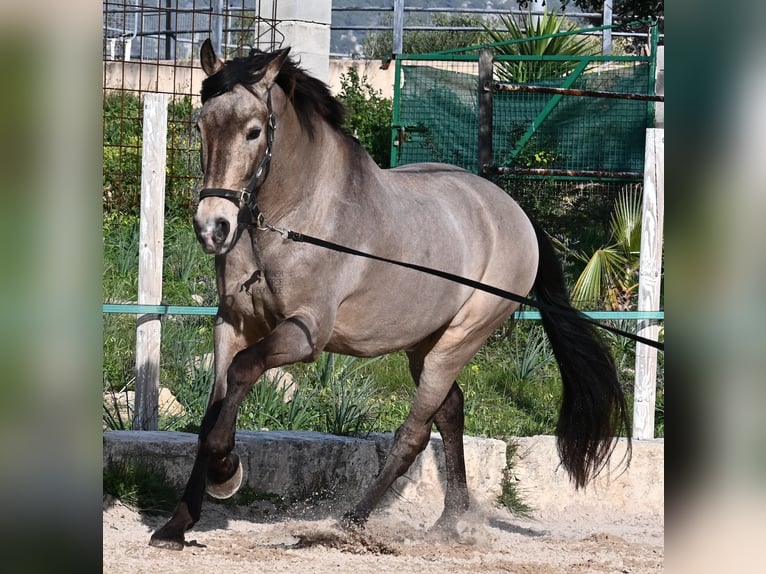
(275, 157)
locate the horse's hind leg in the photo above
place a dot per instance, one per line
(450, 421)
(435, 365)
(436, 391)
(409, 440)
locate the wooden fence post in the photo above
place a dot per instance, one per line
(150, 254)
(486, 57)
(398, 28)
(606, 38)
(649, 282)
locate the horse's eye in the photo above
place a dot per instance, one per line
(253, 134)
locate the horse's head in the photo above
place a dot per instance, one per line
(236, 127)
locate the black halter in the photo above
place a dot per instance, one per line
(248, 195)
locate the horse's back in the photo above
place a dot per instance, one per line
(442, 217)
(472, 206)
(441, 182)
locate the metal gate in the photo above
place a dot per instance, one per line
(581, 116)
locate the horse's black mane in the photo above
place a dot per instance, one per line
(310, 97)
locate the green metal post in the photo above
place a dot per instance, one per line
(654, 40)
(396, 141)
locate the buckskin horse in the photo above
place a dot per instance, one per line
(275, 157)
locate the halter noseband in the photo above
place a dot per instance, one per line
(248, 195)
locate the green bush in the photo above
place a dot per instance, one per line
(368, 115)
(140, 484)
(529, 26)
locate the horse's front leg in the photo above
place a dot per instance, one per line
(216, 467)
(291, 341)
(227, 342)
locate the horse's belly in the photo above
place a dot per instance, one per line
(386, 320)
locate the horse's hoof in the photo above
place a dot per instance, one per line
(442, 532)
(167, 539)
(228, 487)
(166, 543)
(352, 521)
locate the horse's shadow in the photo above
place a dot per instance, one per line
(217, 516)
(506, 526)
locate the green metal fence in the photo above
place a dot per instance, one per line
(437, 104)
(564, 143)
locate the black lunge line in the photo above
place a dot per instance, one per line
(301, 238)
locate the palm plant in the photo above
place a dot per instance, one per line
(611, 272)
(538, 35)
(349, 397)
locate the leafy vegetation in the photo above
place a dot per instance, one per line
(623, 10)
(510, 496)
(368, 115)
(610, 276)
(377, 44)
(545, 26)
(140, 484)
(122, 145)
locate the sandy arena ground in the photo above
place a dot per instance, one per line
(251, 540)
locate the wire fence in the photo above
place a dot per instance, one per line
(352, 23)
(152, 46)
(564, 158)
(173, 30)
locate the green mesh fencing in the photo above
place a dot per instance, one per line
(438, 110)
(438, 107)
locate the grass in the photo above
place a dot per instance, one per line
(141, 485)
(267, 408)
(510, 497)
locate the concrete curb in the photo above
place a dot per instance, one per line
(638, 490)
(298, 465)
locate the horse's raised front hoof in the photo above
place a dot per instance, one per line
(226, 488)
(167, 538)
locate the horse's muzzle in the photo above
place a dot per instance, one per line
(213, 234)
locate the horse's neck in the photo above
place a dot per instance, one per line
(305, 171)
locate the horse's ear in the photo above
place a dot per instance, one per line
(210, 62)
(273, 67)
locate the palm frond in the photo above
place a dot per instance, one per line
(625, 223)
(593, 283)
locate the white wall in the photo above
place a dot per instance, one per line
(306, 26)
(379, 79)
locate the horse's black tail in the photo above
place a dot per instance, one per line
(593, 409)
